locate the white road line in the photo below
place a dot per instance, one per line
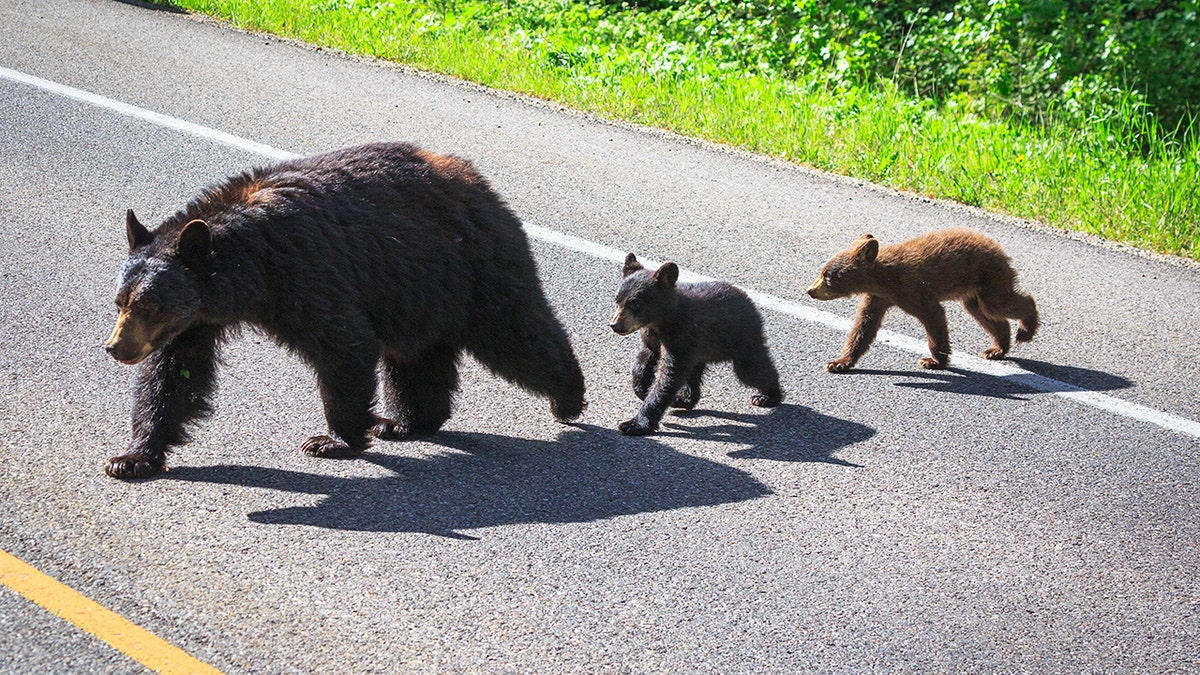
(1003, 370)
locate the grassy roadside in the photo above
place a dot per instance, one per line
(1119, 177)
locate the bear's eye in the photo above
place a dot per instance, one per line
(633, 305)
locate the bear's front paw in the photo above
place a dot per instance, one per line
(129, 467)
(635, 427)
(764, 401)
(839, 366)
(934, 364)
(993, 353)
(329, 447)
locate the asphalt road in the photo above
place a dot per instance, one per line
(890, 519)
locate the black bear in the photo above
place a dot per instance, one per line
(684, 328)
(378, 254)
(917, 276)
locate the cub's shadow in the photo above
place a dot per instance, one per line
(788, 433)
(588, 474)
(1049, 378)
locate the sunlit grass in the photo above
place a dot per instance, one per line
(1118, 177)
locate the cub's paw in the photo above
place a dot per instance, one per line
(1024, 334)
(839, 365)
(764, 401)
(131, 467)
(993, 353)
(329, 447)
(634, 427)
(685, 401)
(933, 364)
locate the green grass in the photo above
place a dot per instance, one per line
(1118, 176)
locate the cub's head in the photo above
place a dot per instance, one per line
(644, 297)
(157, 293)
(845, 272)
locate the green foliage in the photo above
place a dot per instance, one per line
(1045, 109)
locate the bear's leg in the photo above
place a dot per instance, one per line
(347, 390)
(998, 328)
(672, 376)
(420, 393)
(173, 390)
(756, 370)
(871, 310)
(645, 365)
(933, 317)
(1007, 302)
(689, 395)
(528, 347)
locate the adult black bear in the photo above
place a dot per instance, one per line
(377, 253)
(684, 328)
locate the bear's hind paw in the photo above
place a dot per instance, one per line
(132, 467)
(635, 428)
(839, 366)
(329, 447)
(388, 430)
(993, 353)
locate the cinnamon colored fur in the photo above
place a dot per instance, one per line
(917, 276)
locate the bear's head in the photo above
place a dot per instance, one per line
(158, 296)
(845, 272)
(644, 297)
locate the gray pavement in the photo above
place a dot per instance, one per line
(892, 519)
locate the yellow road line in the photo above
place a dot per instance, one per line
(131, 640)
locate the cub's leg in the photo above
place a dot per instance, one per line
(998, 328)
(756, 370)
(645, 365)
(672, 375)
(933, 317)
(1007, 302)
(419, 393)
(871, 310)
(173, 390)
(689, 395)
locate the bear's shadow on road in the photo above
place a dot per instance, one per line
(589, 473)
(967, 383)
(785, 433)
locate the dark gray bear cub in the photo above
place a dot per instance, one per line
(684, 328)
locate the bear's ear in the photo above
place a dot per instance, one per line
(667, 275)
(866, 248)
(631, 265)
(135, 232)
(195, 243)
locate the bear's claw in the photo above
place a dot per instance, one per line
(329, 447)
(132, 467)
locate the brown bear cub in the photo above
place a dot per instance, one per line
(917, 276)
(684, 328)
(381, 256)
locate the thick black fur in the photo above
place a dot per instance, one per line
(684, 328)
(381, 254)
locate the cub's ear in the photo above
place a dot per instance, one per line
(667, 275)
(866, 248)
(195, 243)
(135, 232)
(631, 265)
